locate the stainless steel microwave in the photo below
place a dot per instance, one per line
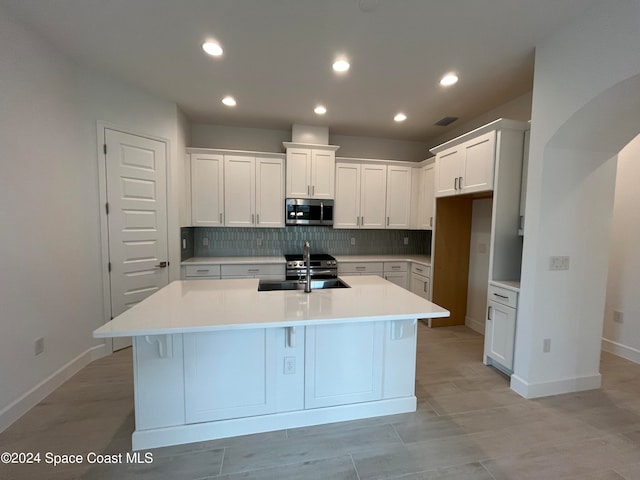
(308, 211)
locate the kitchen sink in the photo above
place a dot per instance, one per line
(271, 285)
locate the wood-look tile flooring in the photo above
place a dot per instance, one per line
(469, 425)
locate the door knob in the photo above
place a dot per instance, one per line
(162, 265)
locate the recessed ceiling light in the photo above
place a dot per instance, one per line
(212, 48)
(320, 110)
(400, 117)
(341, 65)
(229, 101)
(449, 79)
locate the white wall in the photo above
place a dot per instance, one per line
(479, 264)
(380, 148)
(570, 190)
(50, 243)
(50, 284)
(623, 338)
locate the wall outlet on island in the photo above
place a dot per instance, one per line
(546, 345)
(618, 316)
(39, 346)
(406, 240)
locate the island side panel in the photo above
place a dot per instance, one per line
(158, 369)
(400, 343)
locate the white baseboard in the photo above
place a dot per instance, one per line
(629, 353)
(474, 324)
(198, 432)
(30, 399)
(556, 387)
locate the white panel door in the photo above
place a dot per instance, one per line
(230, 374)
(449, 168)
(501, 331)
(207, 190)
(347, 204)
(373, 195)
(137, 219)
(269, 192)
(479, 162)
(239, 191)
(323, 173)
(398, 196)
(298, 173)
(343, 364)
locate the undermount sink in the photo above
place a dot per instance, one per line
(271, 285)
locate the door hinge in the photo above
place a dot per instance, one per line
(109, 266)
(107, 207)
(104, 148)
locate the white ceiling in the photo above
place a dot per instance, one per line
(278, 55)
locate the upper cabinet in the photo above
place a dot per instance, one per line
(239, 189)
(466, 167)
(207, 189)
(310, 171)
(398, 196)
(423, 197)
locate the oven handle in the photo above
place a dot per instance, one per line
(321, 212)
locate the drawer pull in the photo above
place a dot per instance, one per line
(395, 267)
(203, 271)
(254, 270)
(361, 268)
(501, 296)
(418, 269)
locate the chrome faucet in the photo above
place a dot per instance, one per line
(306, 256)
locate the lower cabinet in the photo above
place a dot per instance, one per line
(419, 283)
(500, 329)
(396, 272)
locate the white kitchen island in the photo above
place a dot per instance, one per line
(217, 358)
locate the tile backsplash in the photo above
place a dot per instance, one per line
(226, 242)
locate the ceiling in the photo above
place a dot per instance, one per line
(278, 55)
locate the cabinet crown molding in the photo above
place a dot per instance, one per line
(310, 145)
(499, 124)
(222, 151)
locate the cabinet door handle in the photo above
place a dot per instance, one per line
(387, 221)
(203, 270)
(460, 183)
(308, 190)
(253, 270)
(362, 220)
(361, 268)
(431, 221)
(418, 269)
(455, 183)
(253, 217)
(220, 217)
(313, 190)
(291, 337)
(501, 296)
(488, 313)
(395, 267)
(425, 287)
(258, 218)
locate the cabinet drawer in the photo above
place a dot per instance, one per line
(421, 269)
(503, 296)
(251, 270)
(360, 267)
(209, 271)
(390, 267)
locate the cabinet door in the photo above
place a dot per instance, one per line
(347, 206)
(500, 332)
(323, 174)
(343, 364)
(373, 194)
(420, 286)
(449, 168)
(239, 191)
(269, 192)
(523, 183)
(230, 374)
(398, 202)
(427, 198)
(479, 162)
(207, 190)
(399, 278)
(298, 173)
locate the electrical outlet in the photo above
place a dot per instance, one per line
(184, 243)
(259, 242)
(39, 345)
(205, 242)
(353, 241)
(618, 316)
(289, 365)
(406, 240)
(558, 263)
(546, 345)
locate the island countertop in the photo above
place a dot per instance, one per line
(210, 305)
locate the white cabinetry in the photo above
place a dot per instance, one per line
(523, 183)
(264, 271)
(426, 197)
(360, 195)
(396, 272)
(398, 201)
(310, 171)
(361, 268)
(420, 281)
(201, 271)
(207, 190)
(467, 167)
(237, 189)
(500, 328)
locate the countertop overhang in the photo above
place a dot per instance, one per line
(191, 306)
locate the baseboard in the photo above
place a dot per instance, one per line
(30, 399)
(474, 325)
(628, 353)
(556, 387)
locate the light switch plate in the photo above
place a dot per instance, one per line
(558, 263)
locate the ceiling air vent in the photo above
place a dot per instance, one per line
(443, 122)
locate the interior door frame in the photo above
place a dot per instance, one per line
(101, 126)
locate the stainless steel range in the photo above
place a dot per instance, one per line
(322, 266)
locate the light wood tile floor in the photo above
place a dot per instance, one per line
(469, 425)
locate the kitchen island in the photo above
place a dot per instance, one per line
(218, 358)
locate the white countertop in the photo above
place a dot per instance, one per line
(209, 305)
(423, 259)
(233, 260)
